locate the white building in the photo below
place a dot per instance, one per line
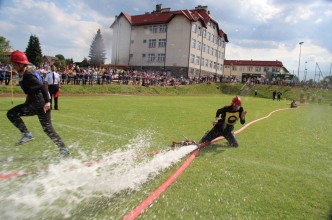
(244, 69)
(183, 42)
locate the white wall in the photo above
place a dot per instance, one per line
(121, 41)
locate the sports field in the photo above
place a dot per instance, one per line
(282, 169)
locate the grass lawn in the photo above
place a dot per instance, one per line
(282, 169)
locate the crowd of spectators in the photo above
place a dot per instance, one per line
(5, 74)
(76, 75)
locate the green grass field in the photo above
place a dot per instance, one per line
(282, 169)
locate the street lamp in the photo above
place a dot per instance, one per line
(305, 72)
(298, 69)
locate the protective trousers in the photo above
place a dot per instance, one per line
(30, 109)
(218, 131)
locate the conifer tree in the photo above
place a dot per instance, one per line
(4, 49)
(33, 51)
(97, 53)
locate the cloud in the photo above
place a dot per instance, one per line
(256, 29)
(60, 30)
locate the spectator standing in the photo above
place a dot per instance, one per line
(7, 70)
(279, 95)
(274, 95)
(52, 81)
(2, 74)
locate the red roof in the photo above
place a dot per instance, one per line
(166, 16)
(253, 63)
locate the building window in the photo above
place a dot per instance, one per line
(153, 28)
(234, 68)
(211, 64)
(221, 43)
(143, 55)
(203, 49)
(194, 28)
(266, 69)
(193, 43)
(199, 45)
(258, 69)
(199, 32)
(192, 58)
(144, 41)
(151, 57)
(207, 63)
(161, 57)
(197, 60)
(162, 42)
(163, 28)
(152, 43)
(250, 68)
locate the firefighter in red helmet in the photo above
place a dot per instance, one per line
(37, 103)
(224, 125)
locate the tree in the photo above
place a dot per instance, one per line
(60, 63)
(97, 53)
(327, 81)
(85, 63)
(4, 49)
(33, 51)
(69, 61)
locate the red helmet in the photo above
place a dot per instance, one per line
(19, 57)
(236, 101)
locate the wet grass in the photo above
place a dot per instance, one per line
(282, 169)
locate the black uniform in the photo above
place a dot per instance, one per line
(37, 96)
(225, 125)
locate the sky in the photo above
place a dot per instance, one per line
(256, 29)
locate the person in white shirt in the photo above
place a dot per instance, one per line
(52, 81)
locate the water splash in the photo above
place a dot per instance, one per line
(64, 185)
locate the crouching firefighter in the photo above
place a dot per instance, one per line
(224, 126)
